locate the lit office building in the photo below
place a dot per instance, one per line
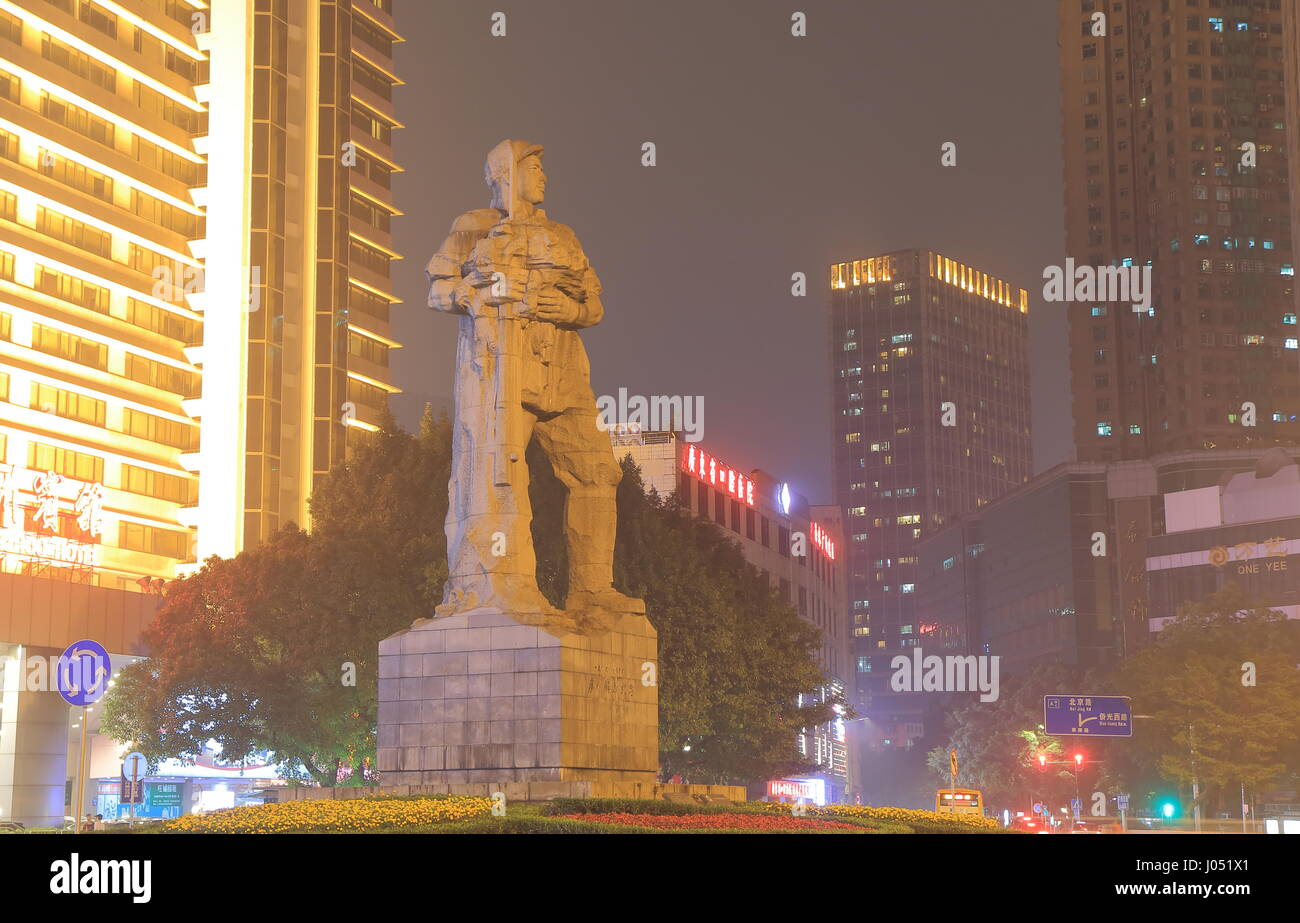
(770, 522)
(930, 377)
(194, 295)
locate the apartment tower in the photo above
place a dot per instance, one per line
(1175, 131)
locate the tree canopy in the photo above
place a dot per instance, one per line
(1216, 695)
(276, 649)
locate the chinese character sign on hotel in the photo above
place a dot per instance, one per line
(45, 516)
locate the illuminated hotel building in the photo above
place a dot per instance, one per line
(930, 376)
(194, 290)
(1175, 126)
(770, 522)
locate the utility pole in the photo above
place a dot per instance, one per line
(1196, 787)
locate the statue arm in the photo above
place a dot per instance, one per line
(445, 283)
(591, 310)
(448, 289)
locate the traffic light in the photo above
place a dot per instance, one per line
(1078, 759)
(1167, 809)
(1042, 760)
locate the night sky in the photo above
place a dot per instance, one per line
(775, 155)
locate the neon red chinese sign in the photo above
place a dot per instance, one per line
(821, 538)
(712, 472)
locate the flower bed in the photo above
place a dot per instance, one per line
(747, 821)
(349, 815)
(922, 821)
(870, 819)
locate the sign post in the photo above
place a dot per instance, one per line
(952, 765)
(1121, 802)
(1067, 715)
(133, 772)
(81, 771)
(83, 673)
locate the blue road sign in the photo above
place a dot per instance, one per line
(83, 673)
(1068, 715)
(1076, 806)
(1121, 802)
(1038, 807)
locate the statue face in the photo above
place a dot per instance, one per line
(532, 180)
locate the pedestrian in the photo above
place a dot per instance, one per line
(99, 822)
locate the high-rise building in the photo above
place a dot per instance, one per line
(1290, 57)
(930, 373)
(1175, 128)
(193, 324)
(194, 295)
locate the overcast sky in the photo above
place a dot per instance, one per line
(776, 154)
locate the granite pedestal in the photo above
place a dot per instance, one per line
(485, 696)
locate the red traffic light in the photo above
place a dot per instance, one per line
(1078, 759)
(1042, 761)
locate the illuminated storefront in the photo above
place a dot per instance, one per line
(797, 791)
(183, 787)
(1245, 530)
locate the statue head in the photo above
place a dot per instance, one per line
(514, 174)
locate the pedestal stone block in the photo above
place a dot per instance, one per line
(484, 697)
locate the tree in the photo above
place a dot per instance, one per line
(276, 649)
(997, 742)
(734, 656)
(1211, 721)
(253, 651)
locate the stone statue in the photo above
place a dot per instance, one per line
(523, 289)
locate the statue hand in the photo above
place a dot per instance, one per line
(497, 287)
(557, 308)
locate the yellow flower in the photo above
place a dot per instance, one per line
(333, 815)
